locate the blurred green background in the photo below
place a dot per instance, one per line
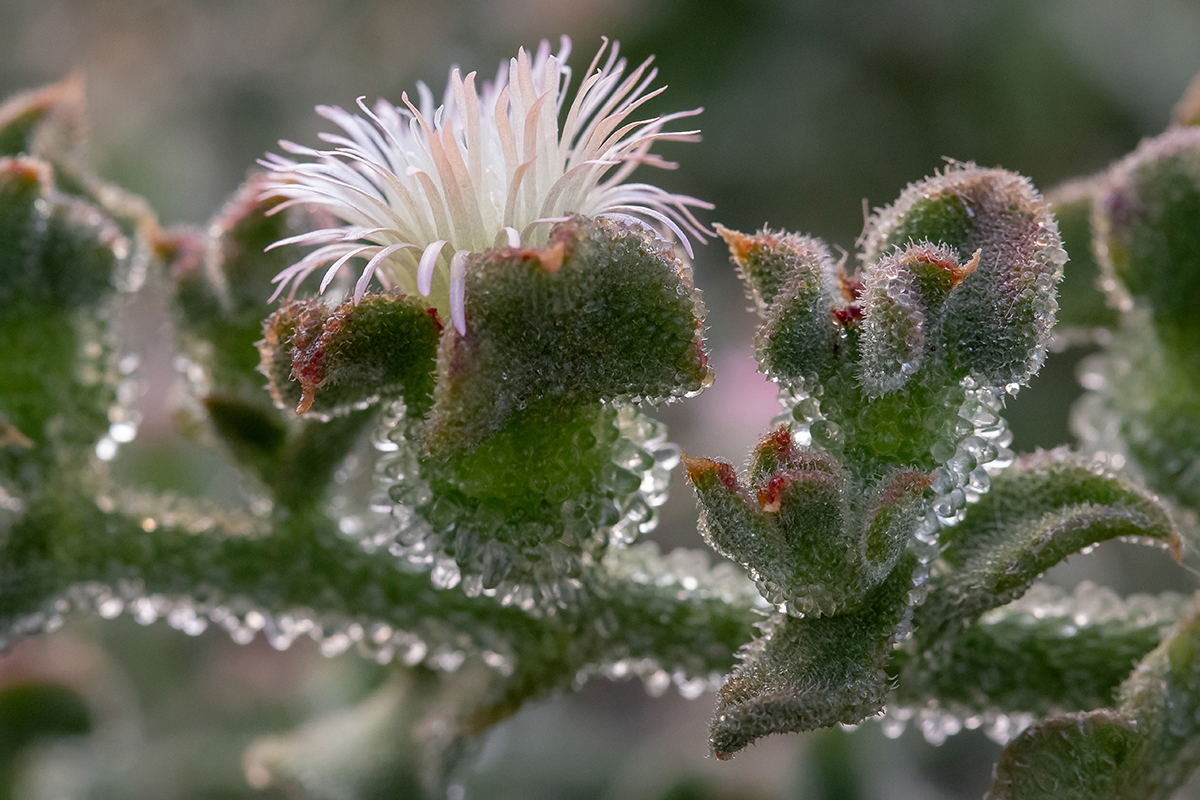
(813, 111)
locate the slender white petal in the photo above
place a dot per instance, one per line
(337, 265)
(425, 269)
(488, 167)
(360, 287)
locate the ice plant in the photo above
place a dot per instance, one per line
(419, 187)
(462, 502)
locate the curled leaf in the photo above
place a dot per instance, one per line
(902, 300)
(1047, 651)
(998, 324)
(356, 354)
(813, 548)
(1043, 509)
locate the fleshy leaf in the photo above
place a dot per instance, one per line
(1148, 235)
(605, 312)
(1147, 382)
(1042, 653)
(1043, 509)
(221, 297)
(333, 360)
(58, 251)
(1144, 749)
(794, 285)
(998, 324)
(953, 308)
(222, 284)
(1083, 303)
(812, 547)
(46, 122)
(770, 260)
(804, 674)
(60, 261)
(902, 300)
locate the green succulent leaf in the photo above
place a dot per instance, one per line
(59, 253)
(1083, 303)
(794, 284)
(1046, 507)
(998, 324)
(903, 301)
(1042, 653)
(222, 286)
(605, 312)
(808, 673)
(1144, 749)
(60, 261)
(332, 360)
(1148, 228)
(813, 548)
(45, 122)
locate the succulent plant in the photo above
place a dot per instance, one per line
(446, 461)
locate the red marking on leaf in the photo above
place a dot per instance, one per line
(314, 328)
(743, 246)
(770, 497)
(779, 440)
(847, 316)
(697, 468)
(740, 244)
(943, 259)
(727, 475)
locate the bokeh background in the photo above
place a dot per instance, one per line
(813, 111)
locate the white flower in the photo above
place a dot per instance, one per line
(419, 188)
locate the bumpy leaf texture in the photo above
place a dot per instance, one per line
(813, 549)
(355, 354)
(1083, 302)
(1044, 508)
(605, 312)
(1147, 238)
(889, 372)
(803, 674)
(1145, 748)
